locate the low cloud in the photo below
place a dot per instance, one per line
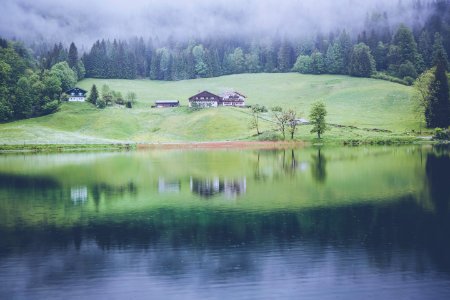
(85, 21)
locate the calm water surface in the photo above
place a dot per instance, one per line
(330, 223)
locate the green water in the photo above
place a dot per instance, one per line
(314, 222)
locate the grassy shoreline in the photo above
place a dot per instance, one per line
(360, 111)
(14, 148)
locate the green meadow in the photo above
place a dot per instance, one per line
(359, 102)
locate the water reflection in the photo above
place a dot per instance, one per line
(210, 187)
(319, 167)
(438, 179)
(79, 194)
(148, 226)
(168, 186)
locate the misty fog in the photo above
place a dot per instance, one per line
(85, 21)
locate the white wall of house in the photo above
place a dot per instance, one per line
(76, 99)
(204, 103)
(233, 103)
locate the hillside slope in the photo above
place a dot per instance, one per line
(364, 103)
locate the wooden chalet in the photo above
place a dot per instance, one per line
(76, 95)
(166, 103)
(205, 99)
(233, 99)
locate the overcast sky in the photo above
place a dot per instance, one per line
(85, 21)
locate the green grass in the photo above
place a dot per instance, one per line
(364, 103)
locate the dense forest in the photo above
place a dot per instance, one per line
(28, 89)
(33, 78)
(381, 50)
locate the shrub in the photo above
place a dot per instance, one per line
(270, 136)
(409, 80)
(442, 134)
(50, 107)
(383, 76)
(101, 103)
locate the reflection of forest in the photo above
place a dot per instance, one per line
(209, 187)
(382, 229)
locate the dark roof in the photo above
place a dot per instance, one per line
(76, 91)
(166, 101)
(204, 94)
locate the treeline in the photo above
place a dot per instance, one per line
(26, 88)
(380, 50)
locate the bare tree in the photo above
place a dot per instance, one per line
(257, 110)
(291, 115)
(281, 120)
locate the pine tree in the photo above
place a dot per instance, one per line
(407, 48)
(285, 60)
(437, 113)
(72, 58)
(334, 59)
(438, 48)
(425, 48)
(362, 63)
(93, 95)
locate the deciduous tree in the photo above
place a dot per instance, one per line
(317, 118)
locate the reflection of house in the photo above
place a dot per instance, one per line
(233, 99)
(204, 99)
(234, 188)
(165, 186)
(79, 194)
(76, 95)
(206, 187)
(210, 187)
(166, 103)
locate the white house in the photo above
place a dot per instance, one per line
(233, 99)
(76, 95)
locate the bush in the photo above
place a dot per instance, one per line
(383, 76)
(442, 134)
(101, 103)
(50, 107)
(407, 70)
(270, 136)
(409, 80)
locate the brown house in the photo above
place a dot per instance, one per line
(166, 103)
(205, 99)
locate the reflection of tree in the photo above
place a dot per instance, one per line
(318, 167)
(438, 174)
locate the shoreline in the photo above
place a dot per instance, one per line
(223, 145)
(268, 145)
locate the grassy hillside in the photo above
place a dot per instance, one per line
(364, 103)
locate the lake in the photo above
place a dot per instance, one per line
(320, 223)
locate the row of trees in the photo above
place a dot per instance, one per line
(109, 97)
(25, 90)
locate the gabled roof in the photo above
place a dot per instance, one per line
(204, 94)
(76, 91)
(232, 93)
